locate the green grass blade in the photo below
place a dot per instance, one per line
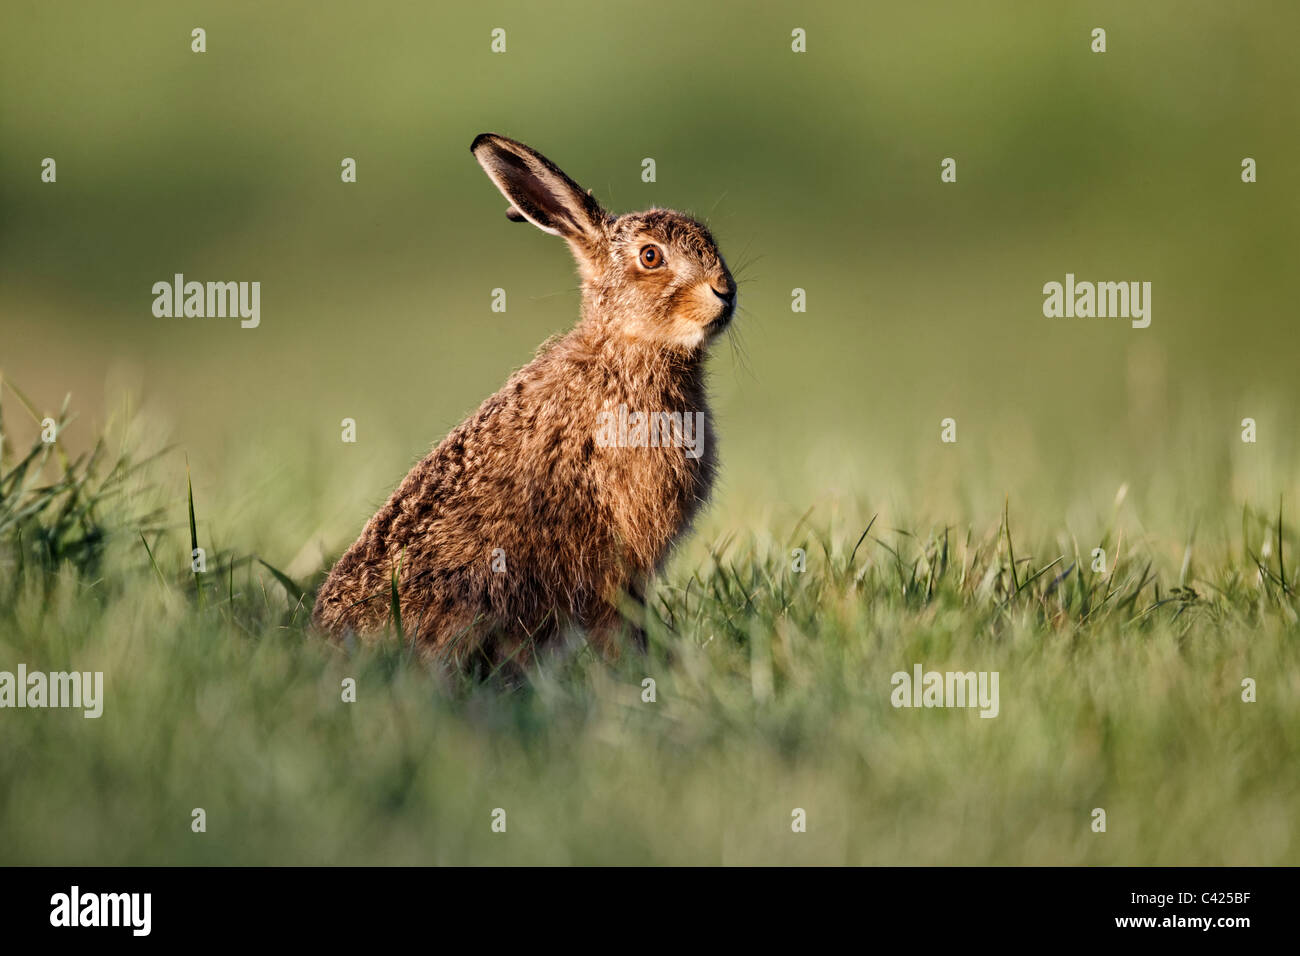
(286, 582)
(194, 535)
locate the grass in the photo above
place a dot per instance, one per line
(1120, 689)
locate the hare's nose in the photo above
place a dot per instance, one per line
(727, 295)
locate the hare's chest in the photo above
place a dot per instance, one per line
(654, 468)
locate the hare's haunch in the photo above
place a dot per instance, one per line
(551, 504)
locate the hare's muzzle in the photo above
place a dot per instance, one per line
(725, 293)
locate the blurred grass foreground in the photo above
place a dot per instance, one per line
(1156, 684)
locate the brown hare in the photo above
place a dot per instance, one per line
(549, 507)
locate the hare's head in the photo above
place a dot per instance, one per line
(653, 276)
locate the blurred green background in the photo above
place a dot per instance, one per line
(817, 170)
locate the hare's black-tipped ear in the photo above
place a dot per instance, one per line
(539, 191)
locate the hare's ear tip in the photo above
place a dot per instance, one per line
(482, 139)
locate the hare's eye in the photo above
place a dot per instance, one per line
(652, 257)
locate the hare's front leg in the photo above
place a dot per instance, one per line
(621, 622)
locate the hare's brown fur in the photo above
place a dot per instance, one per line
(578, 523)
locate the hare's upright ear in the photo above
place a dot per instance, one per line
(539, 191)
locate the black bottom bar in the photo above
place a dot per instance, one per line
(334, 906)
